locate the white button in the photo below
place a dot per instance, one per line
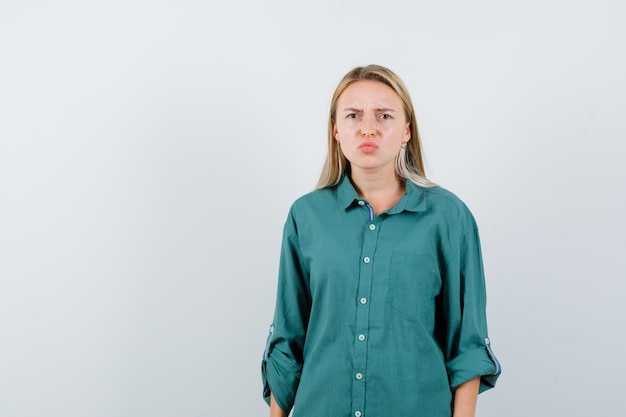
(366, 260)
(487, 341)
(361, 203)
(363, 300)
(361, 337)
(359, 376)
(372, 227)
(357, 414)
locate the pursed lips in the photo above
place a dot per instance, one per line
(368, 146)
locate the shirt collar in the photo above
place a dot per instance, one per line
(413, 200)
(346, 193)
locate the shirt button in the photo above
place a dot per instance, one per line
(357, 414)
(361, 203)
(363, 300)
(372, 227)
(366, 259)
(361, 337)
(359, 376)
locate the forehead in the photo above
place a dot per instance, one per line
(369, 93)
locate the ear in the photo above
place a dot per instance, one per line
(335, 133)
(407, 132)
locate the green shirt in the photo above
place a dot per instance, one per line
(378, 316)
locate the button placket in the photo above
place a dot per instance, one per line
(362, 322)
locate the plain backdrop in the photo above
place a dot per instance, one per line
(150, 150)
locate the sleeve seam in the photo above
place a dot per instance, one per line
(453, 257)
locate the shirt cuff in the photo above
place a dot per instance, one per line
(281, 377)
(479, 362)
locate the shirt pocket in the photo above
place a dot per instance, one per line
(414, 284)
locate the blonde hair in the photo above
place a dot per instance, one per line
(409, 163)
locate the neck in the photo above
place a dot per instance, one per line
(370, 185)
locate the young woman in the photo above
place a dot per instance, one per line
(381, 297)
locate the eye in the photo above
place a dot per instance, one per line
(385, 116)
(352, 116)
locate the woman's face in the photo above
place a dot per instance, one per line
(370, 126)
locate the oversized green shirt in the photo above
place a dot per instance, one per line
(378, 316)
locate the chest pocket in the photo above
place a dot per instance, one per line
(414, 283)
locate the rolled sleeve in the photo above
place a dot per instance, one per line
(283, 359)
(283, 375)
(473, 364)
(468, 348)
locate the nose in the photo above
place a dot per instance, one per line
(368, 127)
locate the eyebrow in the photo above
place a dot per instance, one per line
(354, 109)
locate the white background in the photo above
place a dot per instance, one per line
(149, 152)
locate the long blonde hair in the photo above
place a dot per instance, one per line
(409, 163)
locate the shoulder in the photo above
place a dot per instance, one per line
(443, 198)
(441, 201)
(315, 200)
(312, 206)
